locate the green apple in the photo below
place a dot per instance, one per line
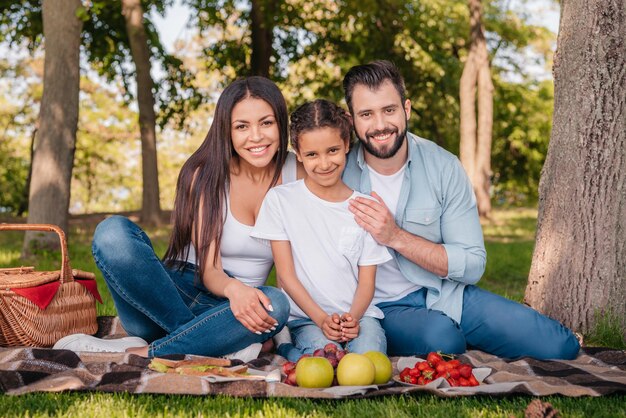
(382, 364)
(355, 370)
(314, 372)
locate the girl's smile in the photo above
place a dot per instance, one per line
(323, 155)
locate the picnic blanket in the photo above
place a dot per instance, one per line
(596, 372)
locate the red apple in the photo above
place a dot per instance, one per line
(291, 378)
(288, 367)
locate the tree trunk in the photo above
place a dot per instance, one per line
(261, 18)
(23, 207)
(150, 205)
(579, 262)
(53, 160)
(475, 146)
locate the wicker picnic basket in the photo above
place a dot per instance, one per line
(72, 308)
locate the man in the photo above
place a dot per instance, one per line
(426, 215)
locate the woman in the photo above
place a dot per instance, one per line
(206, 297)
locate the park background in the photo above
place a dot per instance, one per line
(177, 58)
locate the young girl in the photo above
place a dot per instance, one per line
(325, 262)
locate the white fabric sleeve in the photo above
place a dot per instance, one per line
(269, 225)
(373, 253)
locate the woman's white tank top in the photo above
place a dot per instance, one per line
(243, 257)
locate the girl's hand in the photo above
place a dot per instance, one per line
(250, 307)
(349, 327)
(331, 327)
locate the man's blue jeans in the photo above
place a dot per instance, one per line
(166, 306)
(489, 323)
(308, 337)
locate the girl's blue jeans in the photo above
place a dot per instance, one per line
(489, 322)
(167, 306)
(308, 337)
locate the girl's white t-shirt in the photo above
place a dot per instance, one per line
(326, 242)
(242, 256)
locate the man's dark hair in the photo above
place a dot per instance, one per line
(372, 75)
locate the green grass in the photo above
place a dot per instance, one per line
(126, 405)
(509, 240)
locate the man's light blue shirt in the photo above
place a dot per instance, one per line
(436, 203)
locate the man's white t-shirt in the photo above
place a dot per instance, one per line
(390, 283)
(326, 243)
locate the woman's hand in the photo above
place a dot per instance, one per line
(349, 327)
(250, 306)
(331, 327)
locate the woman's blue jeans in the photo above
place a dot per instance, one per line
(308, 337)
(489, 322)
(166, 306)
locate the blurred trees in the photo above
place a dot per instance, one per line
(306, 47)
(476, 100)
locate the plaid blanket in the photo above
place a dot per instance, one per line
(596, 372)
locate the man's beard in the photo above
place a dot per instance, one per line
(382, 152)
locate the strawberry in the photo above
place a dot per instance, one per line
(449, 365)
(428, 373)
(441, 367)
(404, 372)
(472, 381)
(465, 370)
(452, 381)
(445, 375)
(415, 372)
(413, 380)
(421, 380)
(463, 381)
(454, 373)
(434, 359)
(422, 365)
(455, 363)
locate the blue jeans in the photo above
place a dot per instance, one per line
(165, 306)
(489, 323)
(308, 337)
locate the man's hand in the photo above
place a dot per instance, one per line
(375, 218)
(349, 327)
(331, 327)
(250, 306)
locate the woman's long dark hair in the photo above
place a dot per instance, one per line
(205, 177)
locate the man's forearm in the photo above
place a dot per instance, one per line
(424, 253)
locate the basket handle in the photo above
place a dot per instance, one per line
(66, 270)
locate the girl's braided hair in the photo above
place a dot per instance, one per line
(319, 114)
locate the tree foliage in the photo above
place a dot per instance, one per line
(313, 43)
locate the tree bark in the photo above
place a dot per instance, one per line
(53, 159)
(261, 18)
(23, 207)
(475, 144)
(150, 206)
(579, 262)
